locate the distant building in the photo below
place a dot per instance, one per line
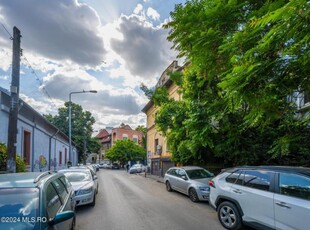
(108, 136)
(42, 145)
(158, 154)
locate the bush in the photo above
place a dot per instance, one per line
(20, 164)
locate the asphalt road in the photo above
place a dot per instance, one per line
(132, 202)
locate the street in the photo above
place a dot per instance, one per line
(129, 201)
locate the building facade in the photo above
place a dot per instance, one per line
(158, 154)
(42, 146)
(108, 136)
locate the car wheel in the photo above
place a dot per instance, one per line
(168, 186)
(193, 195)
(229, 216)
(94, 201)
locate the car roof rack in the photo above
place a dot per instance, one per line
(41, 176)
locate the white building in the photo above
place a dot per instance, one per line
(39, 143)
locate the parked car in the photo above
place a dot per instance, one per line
(84, 184)
(36, 200)
(266, 197)
(97, 166)
(90, 167)
(136, 168)
(115, 166)
(190, 180)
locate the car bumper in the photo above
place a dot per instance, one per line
(203, 195)
(84, 199)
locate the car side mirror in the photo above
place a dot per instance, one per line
(61, 217)
(95, 177)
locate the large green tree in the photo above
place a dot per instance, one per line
(81, 127)
(126, 150)
(246, 61)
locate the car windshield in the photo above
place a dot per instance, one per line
(198, 173)
(20, 206)
(76, 176)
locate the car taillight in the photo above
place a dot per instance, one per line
(211, 183)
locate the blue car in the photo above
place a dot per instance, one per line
(36, 200)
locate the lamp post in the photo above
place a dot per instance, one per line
(70, 143)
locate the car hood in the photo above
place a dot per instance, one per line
(203, 181)
(81, 184)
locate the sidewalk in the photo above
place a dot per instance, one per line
(153, 177)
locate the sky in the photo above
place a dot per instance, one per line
(111, 46)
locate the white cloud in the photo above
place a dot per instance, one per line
(144, 47)
(152, 13)
(58, 29)
(138, 9)
(108, 99)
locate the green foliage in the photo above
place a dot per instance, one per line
(126, 150)
(20, 164)
(143, 130)
(246, 59)
(81, 127)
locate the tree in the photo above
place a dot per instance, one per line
(20, 163)
(125, 150)
(246, 58)
(81, 127)
(143, 130)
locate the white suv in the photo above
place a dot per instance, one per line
(264, 197)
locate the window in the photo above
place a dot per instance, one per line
(52, 201)
(181, 172)
(125, 136)
(257, 179)
(295, 186)
(66, 159)
(26, 147)
(60, 158)
(60, 189)
(172, 172)
(65, 181)
(232, 178)
(135, 138)
(156, 144)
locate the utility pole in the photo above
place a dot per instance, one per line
(12, 130)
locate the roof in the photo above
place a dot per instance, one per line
(301, 170)
(188, 167)
(22, 180)
(75, 169)
(164, 80)
(26, 110)
(106, 139)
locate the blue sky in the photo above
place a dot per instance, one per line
(111, 46)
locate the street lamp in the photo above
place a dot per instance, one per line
(70, 144)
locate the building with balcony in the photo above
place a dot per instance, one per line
(158, 154)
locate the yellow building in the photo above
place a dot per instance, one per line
(158, 155)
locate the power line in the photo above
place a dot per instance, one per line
(40, 81)
(11, 37)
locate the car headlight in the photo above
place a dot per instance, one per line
(204, 189)
(85, 191)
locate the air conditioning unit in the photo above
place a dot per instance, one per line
(158, 149)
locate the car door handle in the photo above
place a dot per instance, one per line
(237, 191)
(282, 204)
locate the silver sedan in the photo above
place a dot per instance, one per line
(193, 181)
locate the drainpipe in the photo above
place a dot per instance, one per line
(50, 150)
